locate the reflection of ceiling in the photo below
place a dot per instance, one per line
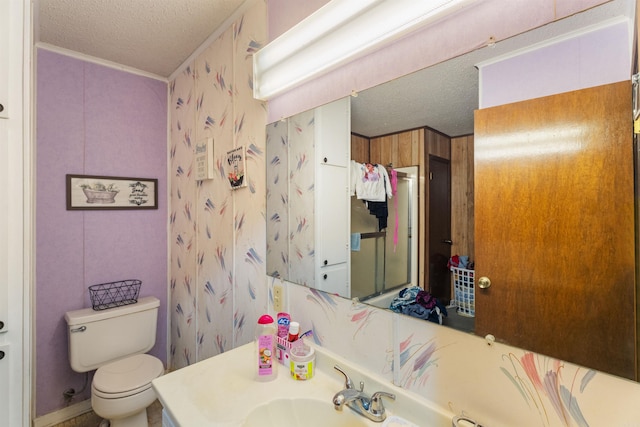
(155, 36)
(443, 97)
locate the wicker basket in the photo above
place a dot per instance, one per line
(464, 291)
(114, 294)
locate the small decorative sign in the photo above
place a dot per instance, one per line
(204, 159)
(106, 192)
(236, 172)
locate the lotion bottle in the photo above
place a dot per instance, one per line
(267, 365)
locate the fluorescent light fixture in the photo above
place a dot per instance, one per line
(337, 33)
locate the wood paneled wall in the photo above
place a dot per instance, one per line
(359, 148)
(462, 196)
(438, 143)
(400, 149)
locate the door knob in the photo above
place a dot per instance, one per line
(1, 354)
(484, 282)
(448, 241)
(1, 325)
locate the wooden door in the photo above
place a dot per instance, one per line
(554, 226)
(439, 228)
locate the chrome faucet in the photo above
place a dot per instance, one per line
(370, 407)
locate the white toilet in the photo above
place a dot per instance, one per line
(114, 341)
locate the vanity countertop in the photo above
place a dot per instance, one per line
(222, 390)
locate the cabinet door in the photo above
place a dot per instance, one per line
(332, 215)
(4, 58)
(334, 280)
(554, 226)
(15, 193)
(333, 149)
(333, 132)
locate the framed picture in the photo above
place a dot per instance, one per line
(237, 168)
(204, 160)
(86, 192)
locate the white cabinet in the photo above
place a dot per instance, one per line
(332, 215)
(5, 33)
(333, 133)
(15, 212)
(333, 146)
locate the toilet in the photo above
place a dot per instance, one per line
(114, 342)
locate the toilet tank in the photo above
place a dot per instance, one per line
(100, 337)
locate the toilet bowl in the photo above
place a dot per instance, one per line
(121, 391)
(115, 342)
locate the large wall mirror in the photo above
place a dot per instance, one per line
(414, 122)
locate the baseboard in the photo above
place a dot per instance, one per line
(64, 414)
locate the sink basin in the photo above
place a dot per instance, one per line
(302, 412)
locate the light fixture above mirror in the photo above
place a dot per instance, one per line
(337, 33)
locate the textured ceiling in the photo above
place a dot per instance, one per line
(157, 36)
(154, 36)
(444, 96)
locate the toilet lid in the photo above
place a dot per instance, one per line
(127, 374)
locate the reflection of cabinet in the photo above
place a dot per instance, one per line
(333, 128)
(308, 198)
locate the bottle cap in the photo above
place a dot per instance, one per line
(294, 328)
(265, 319)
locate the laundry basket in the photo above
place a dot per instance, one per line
(464, 291)
(114, 294)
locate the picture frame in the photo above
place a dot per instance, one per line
(236, 174)
(204, 167)
(96, 192)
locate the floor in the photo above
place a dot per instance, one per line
(459, 321)
(90, 419)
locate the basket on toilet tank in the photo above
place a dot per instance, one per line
(114, 294)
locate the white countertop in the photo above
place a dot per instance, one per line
(222, 390)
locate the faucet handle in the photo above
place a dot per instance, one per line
(376, 407)
(347, 381)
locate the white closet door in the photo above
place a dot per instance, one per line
(14, 202)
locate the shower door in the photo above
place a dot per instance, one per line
(386, 258)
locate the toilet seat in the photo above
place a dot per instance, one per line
(127, 376)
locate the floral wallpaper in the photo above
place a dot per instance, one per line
(277, 199)
(301, 198)
(291, 198)
(495, 384)
(217, 235)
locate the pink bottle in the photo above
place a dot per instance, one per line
(267, 368)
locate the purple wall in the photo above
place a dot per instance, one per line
(93, 120)
(294, 12)
(591, 59)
